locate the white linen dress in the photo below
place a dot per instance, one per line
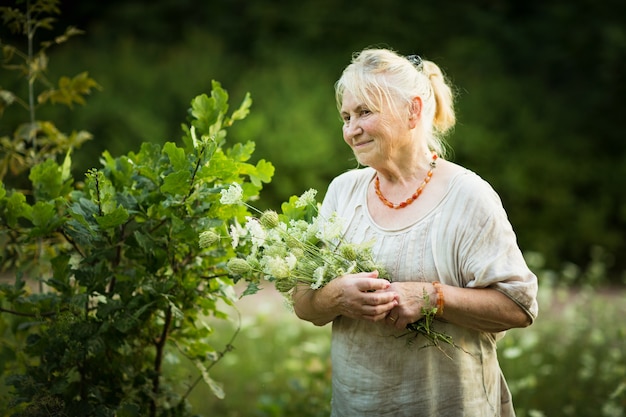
(466, 241)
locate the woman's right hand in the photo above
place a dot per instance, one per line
(358, 296)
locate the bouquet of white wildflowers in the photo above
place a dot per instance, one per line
(300, 247)
(294, 247)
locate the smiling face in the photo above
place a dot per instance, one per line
(377, 138)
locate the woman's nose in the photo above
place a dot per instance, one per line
(351, 129)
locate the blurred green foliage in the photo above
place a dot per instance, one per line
(572, 361)
(280, 366)
(539, 94)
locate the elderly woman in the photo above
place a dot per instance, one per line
(443, 236)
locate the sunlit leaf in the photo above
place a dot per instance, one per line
(16, 208)
(243, 110)
(47, 179)
(216, 388)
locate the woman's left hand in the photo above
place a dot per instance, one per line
(412, 297)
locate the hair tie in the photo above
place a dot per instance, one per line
(416, 60)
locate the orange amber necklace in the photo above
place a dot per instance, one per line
(416, 194)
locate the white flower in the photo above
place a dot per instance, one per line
(273, 236)
(232, 195)
(236, 233)
(318, 275)
(331, 229)
(308, 197)
(256, 231)
(292, 261)
(298, 231)
(313, 228)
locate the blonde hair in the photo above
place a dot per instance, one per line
(378, 76)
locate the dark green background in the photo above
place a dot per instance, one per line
(540, 88)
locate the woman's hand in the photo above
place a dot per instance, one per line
(412, 298)
(363, 296)
(359, 296)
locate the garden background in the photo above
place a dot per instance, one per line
(540, 87)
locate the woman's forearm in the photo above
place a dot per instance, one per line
(483, 309)
(313, 305)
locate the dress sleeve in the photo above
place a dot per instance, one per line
(486, 249)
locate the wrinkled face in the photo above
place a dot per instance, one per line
(376, 137)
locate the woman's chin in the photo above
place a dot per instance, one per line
(365, 160)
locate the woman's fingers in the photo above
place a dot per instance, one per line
(366, 296)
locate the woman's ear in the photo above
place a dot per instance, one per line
(415, 111)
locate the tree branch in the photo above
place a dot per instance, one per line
(158, 360)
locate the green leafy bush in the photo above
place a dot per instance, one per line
(127, 277)
(122, 281)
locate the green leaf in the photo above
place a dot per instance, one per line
(292, 211)
(219, 96)
(251, 289)
(263, 173)
(243, 110)
(241, 152)
(189, 138)
(66, 169)
(47, 179)
(178, 160)
(206, 113)
(113, 218)
(221, 167)
(3, 191)
(144, 241)
(70, 90)
(176, 183)
(42, 213)
(61, 274)
(216, 388)
(82, 227)
(16, 208)
(44, 217)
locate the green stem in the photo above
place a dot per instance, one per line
(195, 172)
(228, 348)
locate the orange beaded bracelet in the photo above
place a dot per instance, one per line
(440, 300)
